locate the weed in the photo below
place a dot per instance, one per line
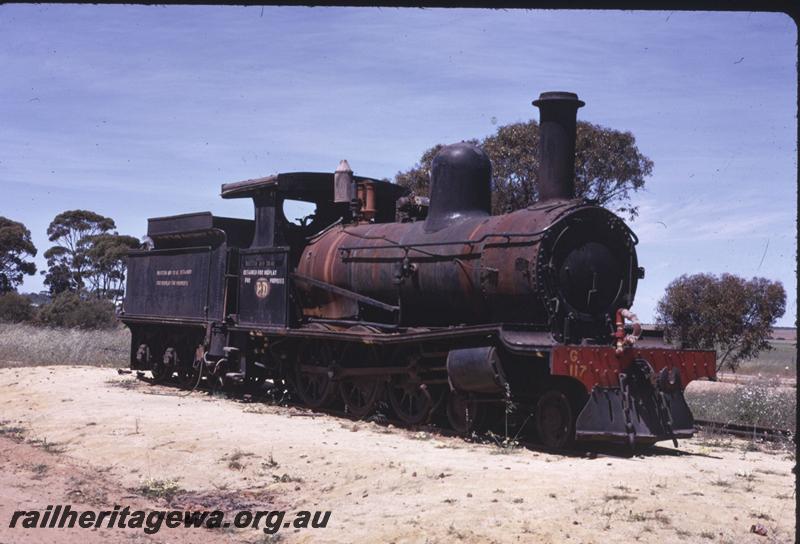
(662, 518)
(719, 482)
(269, 539)
(618, 497)
(504, 445)
(270, 463)
(452, 531)
(707, 534)
(286, 478)
(15, 432)
(234, 460)
(49, 447)
(747, 476)
(157, 489)
(39, 470)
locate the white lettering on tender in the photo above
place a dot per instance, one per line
(260, 272)
(175, 272)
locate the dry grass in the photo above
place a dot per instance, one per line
(779, 362)
(761, 403)
(27, 345)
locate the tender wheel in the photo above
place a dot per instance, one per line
(189, 369)
(554, 421)
(159, 371)
(311, 381)
(360, 394)
(464, 414)
(410, 400)
(162, 369)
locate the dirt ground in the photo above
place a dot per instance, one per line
(94, 439)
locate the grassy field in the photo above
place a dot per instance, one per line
(26, 345)
(779, 362)
(761, 403)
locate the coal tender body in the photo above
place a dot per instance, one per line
(383, 298)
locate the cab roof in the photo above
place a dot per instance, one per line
(308, 186)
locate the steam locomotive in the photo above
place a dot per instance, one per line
(430, 306)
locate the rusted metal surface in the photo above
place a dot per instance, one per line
(476, 270)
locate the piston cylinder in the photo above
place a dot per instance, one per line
(476, 370)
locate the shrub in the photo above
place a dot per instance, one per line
(15, 308)
(70, 310)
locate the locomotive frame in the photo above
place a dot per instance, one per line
(427, 303)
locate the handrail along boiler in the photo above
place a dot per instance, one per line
(433, 305)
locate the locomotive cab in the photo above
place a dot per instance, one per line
(264, 268)
(272, 194)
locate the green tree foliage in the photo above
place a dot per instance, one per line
(106, 258)
(727, 313)
(15, 247)
(15, 308)
(66, 261)
(71, 311)
(608, 166)
(88, 255)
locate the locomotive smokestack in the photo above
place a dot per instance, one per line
(557, 118)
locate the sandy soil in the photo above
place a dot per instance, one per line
(108, 434)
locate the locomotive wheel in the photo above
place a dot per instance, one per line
(410, 400)
(464, 414)
(315, 388)
(554, 422)
(360, 394)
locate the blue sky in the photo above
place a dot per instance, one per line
(140, 111)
